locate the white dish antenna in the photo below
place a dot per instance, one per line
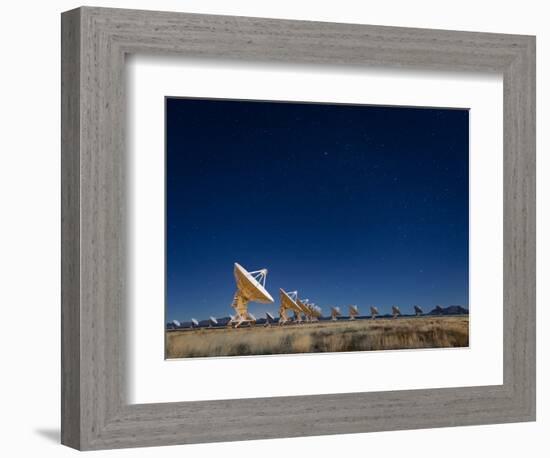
(305, 307)
(335, 313)
(417, 310)
(288, 299)
(269, 319)
(395, 311)
(250, 288)
(353, 312)
(288, 302)
(318, 313)
(312, 312)
(213, 321)
(194, 322)
(373, 312)
(251, 285)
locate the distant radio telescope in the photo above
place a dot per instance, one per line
(353, 312)
(373, 312)
(194, 323)
(176, 324)
(335, 313)
(212, 322)
(250, 288)
(269, 319)
(317, 312)
(311, 311)
(305, 308)
(417, 310)
(395, 311)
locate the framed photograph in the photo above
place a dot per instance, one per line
(347, 206)
(356, 204)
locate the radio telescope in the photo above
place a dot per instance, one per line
(288, 302)
(335, 313)
(353, 312)
(283, 316)
(373, 312)
(194, 323)
(269, 319)
(395, 311)
(417, 310)
(212, 322)
(311, 311)
(304, 306)
(176, 324)
(317, 312)
(250, 288)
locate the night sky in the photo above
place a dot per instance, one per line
(347, 204)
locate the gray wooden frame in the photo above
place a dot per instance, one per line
(95, 413)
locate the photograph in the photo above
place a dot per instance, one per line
(296, 227)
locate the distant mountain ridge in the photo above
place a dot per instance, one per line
(450, 310)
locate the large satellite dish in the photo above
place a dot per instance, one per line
(251, 285)
(194, 323)
(373, 312)
(176, 324)
(335, 313)
(250, 288)
(395, 311)
(353, 312)
(288, 302)
(417, 310)
(212, 322)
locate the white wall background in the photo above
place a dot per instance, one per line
(29, 229)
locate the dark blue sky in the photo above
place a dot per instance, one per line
(347, 204)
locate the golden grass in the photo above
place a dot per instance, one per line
(360, 335)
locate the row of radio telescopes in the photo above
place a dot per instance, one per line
(251, 288)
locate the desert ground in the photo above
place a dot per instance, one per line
(325, 336)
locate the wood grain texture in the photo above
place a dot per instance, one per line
(96, 413)
(70, 229)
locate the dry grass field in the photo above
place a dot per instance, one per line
(359, 335)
